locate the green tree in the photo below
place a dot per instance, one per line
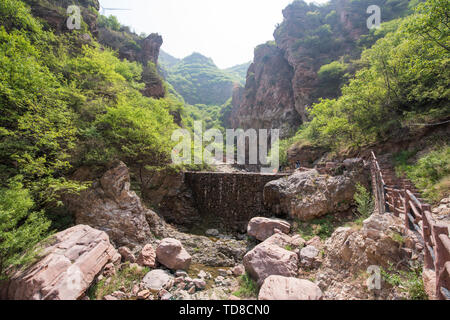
(20, 227)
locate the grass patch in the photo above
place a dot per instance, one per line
(123, 278)
(248, 287)
(431, 173)
(409, 281)
(323, 227)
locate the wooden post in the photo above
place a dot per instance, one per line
(426, 233)
(407, 209)
(442, 253)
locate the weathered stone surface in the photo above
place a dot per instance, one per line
(69, 264)
(127, 255)
(112, 207)
(238, 270)
(283, 288)
(263, 228)
(147, 257)
(155, 280)
(374, 244)
(170, 253)
(268, 259)
(268, 100)
(308, 256)
(309, 195)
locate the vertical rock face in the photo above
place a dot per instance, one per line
(283, 79)
(71, 261)
(150, 48)
(268, 99)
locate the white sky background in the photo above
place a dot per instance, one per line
(226, 31)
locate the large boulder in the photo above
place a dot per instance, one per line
(170, 253)
(69, 263)
(263, 228)
(271, 258)
(309, 195)
(283, 288)
(112, 207)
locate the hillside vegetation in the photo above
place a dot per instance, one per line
(66, 103)
(199, 80)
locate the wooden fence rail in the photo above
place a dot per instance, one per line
(418, 217)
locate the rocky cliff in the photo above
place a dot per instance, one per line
(284, 77)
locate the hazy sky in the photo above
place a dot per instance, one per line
(226, 31)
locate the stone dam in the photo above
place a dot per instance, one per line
(227, 201)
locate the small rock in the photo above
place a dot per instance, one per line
(308, 256)
(238, 270)
(147, 257)
(181, 273)
(222, 272)
(143, 295)
(135, 290)
(127, 255)
(191, 290)
(110, 298)
(212, 233)
(199, 284)
(119, 295)
(109, 270)
(315, 242)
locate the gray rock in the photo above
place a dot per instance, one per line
(156, 280)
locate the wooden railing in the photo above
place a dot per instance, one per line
(417, 217)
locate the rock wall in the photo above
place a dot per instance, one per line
(268, 99)
(229, 200)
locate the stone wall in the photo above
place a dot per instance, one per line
(227, 201)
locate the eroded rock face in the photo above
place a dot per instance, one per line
(268, 258)
(263, 228)
(374, 244)
(268, 100)
(170, 253)
(309, 195)
(69, 265)
(112, 207)
(283, 288)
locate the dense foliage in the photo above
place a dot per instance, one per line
(65, 103)
(405, 81)
(200, 81)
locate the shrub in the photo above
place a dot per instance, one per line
(248, 287)
(364, 201)
(20, 227)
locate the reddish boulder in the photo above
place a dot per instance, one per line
(70, 262)
(170, 253)
(264, 228)
(269, 259)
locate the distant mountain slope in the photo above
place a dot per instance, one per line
(199, 80)
(240, 71)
